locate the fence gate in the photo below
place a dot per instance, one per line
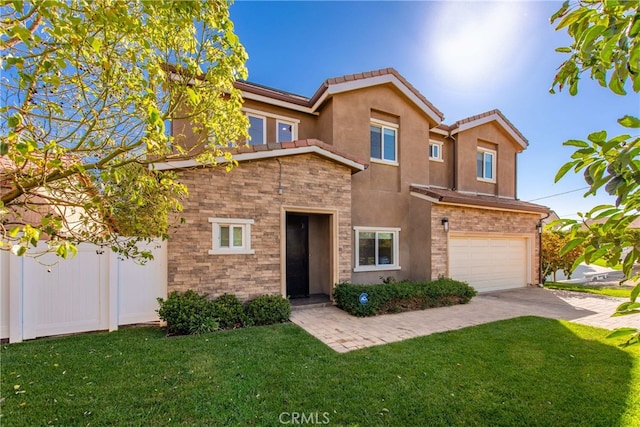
(65, 296)
(96, 290)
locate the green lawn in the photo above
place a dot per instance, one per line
(611, 291)
(527, 371)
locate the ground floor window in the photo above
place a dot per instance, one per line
(376, 248)
(231, 236)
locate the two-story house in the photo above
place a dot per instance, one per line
(360, 182)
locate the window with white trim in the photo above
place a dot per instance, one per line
(285, 131)
(257, 129)
(384, 142)
(486, 165)
(376, 249)
(435, 151)
(231, 236)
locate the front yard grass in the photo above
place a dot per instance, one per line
(611, 291)
(526, 371)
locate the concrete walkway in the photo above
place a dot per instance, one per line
(343, 332)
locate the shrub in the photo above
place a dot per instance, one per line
(187, 313)
(229, 311)
(401, 296)
(268, 309)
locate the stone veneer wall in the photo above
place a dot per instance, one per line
(462, 219)
(250, 191)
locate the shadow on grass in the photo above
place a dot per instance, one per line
(526, 371)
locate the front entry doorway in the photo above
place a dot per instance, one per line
(308, 255)
(297, 255)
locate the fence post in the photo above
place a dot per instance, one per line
(16, 308)
(113, 282)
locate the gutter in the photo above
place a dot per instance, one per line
(541, 279)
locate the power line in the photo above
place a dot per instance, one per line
(560, 194)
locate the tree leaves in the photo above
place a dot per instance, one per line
(629, 122)
(606, 44)
(89, 86)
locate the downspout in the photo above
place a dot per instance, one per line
(515, 176)
(455, 161)
(540, 228)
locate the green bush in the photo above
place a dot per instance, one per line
(187, 313)
(229, 311)
(268, 309)
(401, 296)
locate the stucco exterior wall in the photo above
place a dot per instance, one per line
(441, 173)
(472, 220)
(250, 191)
(380, 194)
(491, 136)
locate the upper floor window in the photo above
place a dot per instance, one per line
(486, 165)
(284, 131)
(376, 249)
(435, 151)
(231, 236)
(286, 128)
(257, 129)
(384, 141)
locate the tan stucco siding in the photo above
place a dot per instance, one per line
(250, 191)
(441, 172)
(381, 193)
(493, 137)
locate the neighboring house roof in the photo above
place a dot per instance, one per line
(64, 198)
(553, 216)
(451, 197)
(480, 119)
(635, 224)
(338, 85)
(265, 151)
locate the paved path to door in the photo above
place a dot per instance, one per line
(343, 332)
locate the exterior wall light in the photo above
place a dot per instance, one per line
(445, 224)
(539, 228)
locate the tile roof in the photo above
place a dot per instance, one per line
(480, 116)
(271, 150)
(272, 93)
(283, 146)
(371, 74)
(484, 201)
(310, 102)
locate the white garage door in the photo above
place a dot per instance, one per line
(489, 263)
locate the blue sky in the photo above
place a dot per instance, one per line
(465, 57)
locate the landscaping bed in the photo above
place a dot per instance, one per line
(189, 313)
(396, 297)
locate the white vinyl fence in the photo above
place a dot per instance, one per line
(96, 290)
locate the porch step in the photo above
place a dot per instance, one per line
(308, 306)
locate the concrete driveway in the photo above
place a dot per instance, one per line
(343, 332)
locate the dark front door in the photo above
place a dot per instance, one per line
(297, 255)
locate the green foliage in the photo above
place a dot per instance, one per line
(606, 42)
(229, 311)
(559, 252)
(188, 313)
(268, 310)
(401, 296)
(87, 89)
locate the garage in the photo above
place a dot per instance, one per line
(489, 263)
